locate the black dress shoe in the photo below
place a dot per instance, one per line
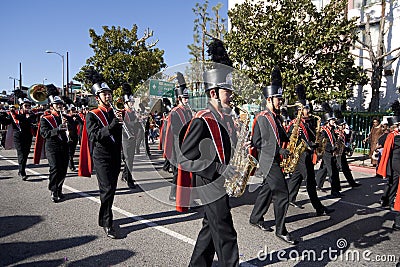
(324, 211)
(131, 185)
(61, 195)
(287, 238)
(355, 185)
(262, 226)
(24, 177)
(72, 169)
(395, 227)
(336, 194)
(54, 197)
(321, 189)
(295, 205)
(110, 232)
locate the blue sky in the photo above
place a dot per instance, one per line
(29, 28)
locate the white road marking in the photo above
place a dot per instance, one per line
(125, 213)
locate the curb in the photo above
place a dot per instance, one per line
(362, 169)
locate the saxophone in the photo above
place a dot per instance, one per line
(319, 139)
(242, 160)
(296, 148)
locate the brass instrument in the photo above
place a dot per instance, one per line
(118, 106)
(38, 93)
(340, 145)
(295, 147)
(65, 126)
(242, 160)
(319, 139)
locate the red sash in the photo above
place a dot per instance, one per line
(102, 118)
(169, 136)
(16, 121)
(271, 121)
(85, 159)
(184, 179)
(328, 132)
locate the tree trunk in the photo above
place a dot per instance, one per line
(376, 80)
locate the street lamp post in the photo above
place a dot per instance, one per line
(62, 57)
(15, 79)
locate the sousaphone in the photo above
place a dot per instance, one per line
(38, 94)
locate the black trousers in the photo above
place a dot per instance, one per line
(71, 148)
(305, 169)
(107, 171)
(329, 167)
(390, 191)
(343, 166)
(217, 234)
(273, 187)
(58, 163)
(129, 148)
(22, 143)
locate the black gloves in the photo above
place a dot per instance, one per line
(114, 124)
(284, 153)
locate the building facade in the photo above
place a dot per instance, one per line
(390, 85)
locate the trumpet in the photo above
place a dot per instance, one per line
(65, 126)
(118, 114)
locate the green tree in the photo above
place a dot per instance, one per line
(120, 56)
(310, 47)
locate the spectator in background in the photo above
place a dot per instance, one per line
(375, 133)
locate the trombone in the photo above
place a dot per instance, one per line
(117, 108)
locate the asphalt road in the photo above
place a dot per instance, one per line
(36, 232)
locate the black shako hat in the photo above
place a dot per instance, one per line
(275, 89)
(218, 78)
(396, 112)
(328, 112)
(181, 90)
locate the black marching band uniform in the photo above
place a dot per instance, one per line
(178, 117)
(53, 130)
(389, 192)
(105, 131)
(305, 167)
(343, 165)
(74, 121)
(206, 152)
(389, 164)
(129, 136)
(329, 161)
(268, 136)
(24, 125)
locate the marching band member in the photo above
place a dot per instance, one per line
(208, 164)
(129, 139)
(179, 116)
(104, 129)
(73, 121)
(343, 165)
(329, 160)
(23, 122)
(268, 136)
(56, 145)
(305, 167)
(389, 165)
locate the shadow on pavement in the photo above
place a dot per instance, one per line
(13, 224)
(13, 252)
